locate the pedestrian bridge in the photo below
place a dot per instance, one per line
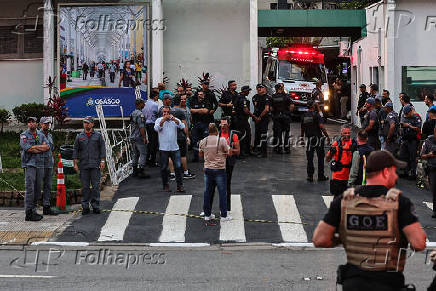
(315, 22)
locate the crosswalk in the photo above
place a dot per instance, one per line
(176, 227)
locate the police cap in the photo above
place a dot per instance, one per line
(407, 109)
(370, 101)
(259, 86)
(88, 119)
(362, 86)
(389, 104)
(379, 160)
(31, 118)
(245, 88)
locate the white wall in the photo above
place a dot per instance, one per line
(204, 36)
(21, 82)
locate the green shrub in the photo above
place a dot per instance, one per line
(4, 117)
(24, 111)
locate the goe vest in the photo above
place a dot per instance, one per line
(370, 234)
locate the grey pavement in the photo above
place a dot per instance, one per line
(213, 268)
(257, 181)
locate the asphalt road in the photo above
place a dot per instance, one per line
(273, 189)
(212, 268)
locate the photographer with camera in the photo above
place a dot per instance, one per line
(341, 151)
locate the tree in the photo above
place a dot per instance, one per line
(4, 117)
(357, 4)
(281, 42)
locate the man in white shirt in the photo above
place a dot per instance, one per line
(166, 127)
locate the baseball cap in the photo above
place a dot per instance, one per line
(258, 86)
(167, 96)
(370, 101)
(379, 160)
(245, 88)
(407, 109)
(45, 119)
(362, 86)
(32, 118)
(389, 104)
(88, 119)
(432, 110)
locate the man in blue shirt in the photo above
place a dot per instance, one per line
(167, 127)
(428, 100)
(150, 114)
(33, 144)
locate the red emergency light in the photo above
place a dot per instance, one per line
(301, 54)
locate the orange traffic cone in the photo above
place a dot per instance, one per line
(61, 195)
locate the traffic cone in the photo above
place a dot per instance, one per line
(61, 195)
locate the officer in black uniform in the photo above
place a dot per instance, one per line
(389, 129)
(228, 98)
(313, 129)
(361, 109)
(361, 217)
(138, 137)
(281, 105)
(261, 102)
(242, 114)
(210, 98)
(200, 109)
(371, 123)
(410, 128)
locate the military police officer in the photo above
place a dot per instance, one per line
(411, 128)
(242, 114)
(370, 123)
(389, 128)
(48, 166)
(33, 144)
(139, 141)
(261, 102)
(365, 215)
(90, 151)
(313, 129)
(228, 98)
(281, 106)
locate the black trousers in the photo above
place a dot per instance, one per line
(310, 153)
(112, 76)
(337, 187)
(153, 140)
(282, 126)
(408, 153)
(432, 181)
(363, 284)
(244, 128)
(260, 135)
(229, 172)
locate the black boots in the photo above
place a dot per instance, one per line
(48, 211)
(32, 216)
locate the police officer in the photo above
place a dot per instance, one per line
(428, 152)
(313, 129)
(317, 95)
(228, 98)
(410, 130)
(138, 137)
(89, 150)
(210, 98)
(33, 144)
(389, 128)
(361, 109)
(341, 151)
(48, 166)
(365, 215)
(281, 106)
(370, 123)
(242, 114)
(200, 109)
(261, 103)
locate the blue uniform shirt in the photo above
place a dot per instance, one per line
(48, 155)
(89, 150)
(136, 123)
(27, 140)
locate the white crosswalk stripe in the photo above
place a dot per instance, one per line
(174, 226)
(117, 222)
(234, 230)
(429, 205)
(327, 200)
(287, 211)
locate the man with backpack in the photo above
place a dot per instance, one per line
(358, 164)
(341, 151)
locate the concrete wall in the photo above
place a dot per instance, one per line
(21, 83)
(204, 37)
(410, 42)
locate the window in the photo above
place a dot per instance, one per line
(8, 41)
(418, 82)
(21, 42)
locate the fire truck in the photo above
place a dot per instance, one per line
(299, 68)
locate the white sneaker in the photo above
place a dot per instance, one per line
(207, 218)
(202, 213)
(227, 218)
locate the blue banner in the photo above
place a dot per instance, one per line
(81, 101)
